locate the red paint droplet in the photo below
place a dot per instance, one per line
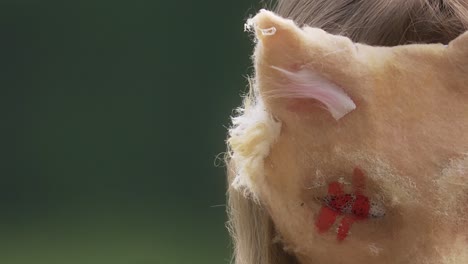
(326, 219)
(345, 226)
(335, 188)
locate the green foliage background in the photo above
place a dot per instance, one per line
(115, 112)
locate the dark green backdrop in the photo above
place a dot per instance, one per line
(115, 111)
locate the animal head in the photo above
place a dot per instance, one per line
(321, 107)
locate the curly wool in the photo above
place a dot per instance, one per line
(251, 136)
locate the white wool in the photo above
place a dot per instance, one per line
(249, 25)
(251, 136)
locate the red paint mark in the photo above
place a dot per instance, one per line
(341, 203)
(345, 226)
(335, 188)
(361, 207)
(326, 219)
(354, 207)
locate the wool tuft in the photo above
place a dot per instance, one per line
(251, 136)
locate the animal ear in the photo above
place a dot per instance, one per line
(458, 50)
(303, 64)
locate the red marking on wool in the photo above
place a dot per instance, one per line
(326, 219)
(345, 226)
(361, 207)
(340, 202)
(335, 188)
(330, 212)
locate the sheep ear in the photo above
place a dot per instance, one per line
(458, 50)
(294, 63)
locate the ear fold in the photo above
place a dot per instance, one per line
(297, 63)
(306, 84)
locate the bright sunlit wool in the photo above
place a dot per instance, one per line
(253, 132)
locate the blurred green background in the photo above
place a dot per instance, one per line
(115, 112)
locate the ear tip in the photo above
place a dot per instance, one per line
(266, 23)
(460, 42)
(265, 18)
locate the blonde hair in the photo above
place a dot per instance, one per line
(374, 22)
(382, 22)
